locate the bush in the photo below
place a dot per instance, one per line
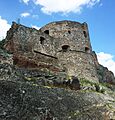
(2, 43)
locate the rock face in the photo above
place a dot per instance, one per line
(53, 74)
(104, 74)
(27, 94)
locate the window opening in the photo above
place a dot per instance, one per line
(42, 40)
(65, 48)
(46, 31)
(69, 31)
(85, 34)
(87, 50)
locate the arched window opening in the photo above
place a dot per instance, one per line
(87, 50)
(85, 34)
(65, 48)
(69, 31)
(46, 31)
(42, 40)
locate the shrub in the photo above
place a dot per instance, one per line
(2, 43)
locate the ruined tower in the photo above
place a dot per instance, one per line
(62, 44)
(73, 48)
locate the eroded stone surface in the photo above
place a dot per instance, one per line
(60, 46)
(23, 101)
(57, 46)
(53, 74)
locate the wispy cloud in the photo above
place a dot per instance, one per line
(64, 6)
(107, 60)
(4, 27)
(25, 1)
(25, 14)
(35, 17)
(36, 27)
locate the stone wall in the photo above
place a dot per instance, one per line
(74, 49)
(21, 38)
(73, 34)
(59, 46)
(79, 64)
(31, 48)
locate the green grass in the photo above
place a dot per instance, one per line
(99, 87)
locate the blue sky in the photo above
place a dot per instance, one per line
(99, 14)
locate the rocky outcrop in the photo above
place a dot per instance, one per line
(32, 94)
(104, 75)
(26, 102)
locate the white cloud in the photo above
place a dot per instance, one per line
(107, 60)
(35, 16)
(64, 6)
(4, 27)
(26, 1)
(25, 14)
(36, 27)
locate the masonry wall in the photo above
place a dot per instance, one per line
(79, 64)
(63, 45)
(73, 48)
(23, 39)
(73, 34)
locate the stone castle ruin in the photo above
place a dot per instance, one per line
(62, 46)
(72, 47)
(53, 74)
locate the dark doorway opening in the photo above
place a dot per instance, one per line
(46, 31)
(42, 40)
(65, 48)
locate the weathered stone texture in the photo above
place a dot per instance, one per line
(74, 51)
(53, 74)
(73, 34)
(104, 74)
(79, 64)
(30, 47)
(27, 94)
(23, 39)
(23, 101)
(57, 46)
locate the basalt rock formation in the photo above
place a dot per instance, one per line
(53, 74)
